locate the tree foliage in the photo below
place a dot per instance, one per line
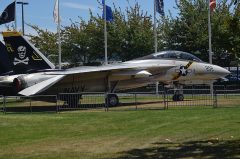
(130, 35)
(46, 42)
(189, 30)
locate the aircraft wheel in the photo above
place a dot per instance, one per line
(175, 97)
(180, 97)
(112, 100)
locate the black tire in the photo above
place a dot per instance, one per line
(112, 100)
(174, 98)
(180, 97)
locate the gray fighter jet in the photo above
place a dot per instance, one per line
(174, 68)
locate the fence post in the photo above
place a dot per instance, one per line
(165, 95)
(215, 105)
(2, 101)
(56, 103)
(4, 105)
(1, 104)
(225, 92)
(164, 99)
(192, 91)
(135, 96)
(30, 98)
(106, 102)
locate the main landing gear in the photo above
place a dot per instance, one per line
(112, 100)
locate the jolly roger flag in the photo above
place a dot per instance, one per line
(8, 14)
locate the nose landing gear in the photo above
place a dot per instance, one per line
(178, 93)
(178, 97)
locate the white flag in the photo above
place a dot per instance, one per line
(55, 12)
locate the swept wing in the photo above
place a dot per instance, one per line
(113, 70)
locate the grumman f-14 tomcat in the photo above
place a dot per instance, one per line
(174, 68)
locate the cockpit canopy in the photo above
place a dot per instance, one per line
(179, 55)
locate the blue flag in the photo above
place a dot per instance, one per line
(109, 13)
(160, 7)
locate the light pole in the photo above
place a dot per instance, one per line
(23, 3)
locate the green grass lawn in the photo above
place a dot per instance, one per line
(173, 133)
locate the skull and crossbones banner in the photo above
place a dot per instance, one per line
(19, 61)
(22, 59)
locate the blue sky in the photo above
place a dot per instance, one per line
(40, 12)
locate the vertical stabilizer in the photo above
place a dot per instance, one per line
(5, 65)
(23, 55)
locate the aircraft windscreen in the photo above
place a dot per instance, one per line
(179, 55)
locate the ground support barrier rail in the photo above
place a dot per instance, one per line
(140, 101)
(2, 104)
(192, 97)
(228, 98)
(127, 101)
(38, 103)
(79, 101)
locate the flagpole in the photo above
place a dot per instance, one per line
(105, 32)
(155, 38)
(155, 28)
(210, 41)
(59, 39)
(209, 33)
(15, 19)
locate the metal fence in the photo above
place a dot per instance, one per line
(140, 100)
(216, 87)
(228, 98)
(76, 101)
(192, 97)
(1, 104)
(30, 104)
(127, 101)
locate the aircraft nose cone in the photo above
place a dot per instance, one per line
(222, 72)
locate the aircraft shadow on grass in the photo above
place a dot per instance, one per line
(194, 149)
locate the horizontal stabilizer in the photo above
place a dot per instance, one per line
(40, 87)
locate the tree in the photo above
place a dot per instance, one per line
(139, 40)
(189, 30)
(46, 42)
(130, 35)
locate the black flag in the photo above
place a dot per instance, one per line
(235, 2)
(8, 14)
(160, 7)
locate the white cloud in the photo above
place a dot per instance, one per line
(78, 6)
